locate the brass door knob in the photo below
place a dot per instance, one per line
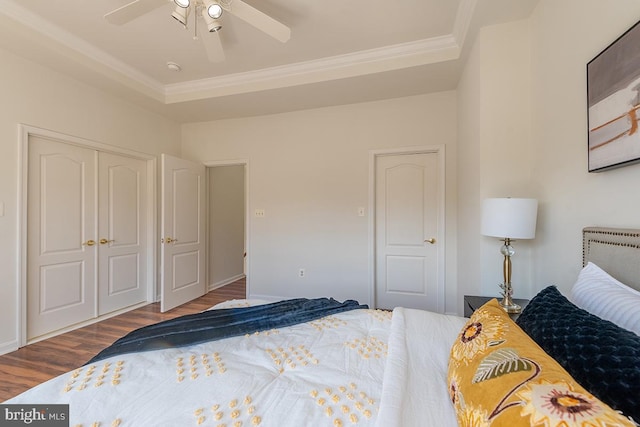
(89, 243)
(431, 240)
(105, 241)
(168, 240)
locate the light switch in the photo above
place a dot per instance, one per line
(1, 208)
(360, 211)
(259, 213)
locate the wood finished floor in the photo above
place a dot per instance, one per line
(41, 361)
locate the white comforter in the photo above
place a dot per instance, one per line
(327, 372)
(415, 391)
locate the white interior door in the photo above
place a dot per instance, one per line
(121, 232)
(183, 231)
(62, 234)
(407, 230)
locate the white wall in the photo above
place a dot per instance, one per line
(226, 224)
(309, 171)
(494, 157)
(40, 97)
(565, 36)
(522, 113)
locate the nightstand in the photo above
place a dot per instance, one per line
(473, 302)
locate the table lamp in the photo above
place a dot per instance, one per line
(509, 219)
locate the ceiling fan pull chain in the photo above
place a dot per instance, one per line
(195, 23)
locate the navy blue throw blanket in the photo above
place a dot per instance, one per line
(230, 322)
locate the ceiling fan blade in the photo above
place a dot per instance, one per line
(261, 21)
(212, 44)
(132, 10)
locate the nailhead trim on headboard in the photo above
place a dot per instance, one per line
(615, 238)
(587, 232)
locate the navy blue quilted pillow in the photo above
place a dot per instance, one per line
(601, 356)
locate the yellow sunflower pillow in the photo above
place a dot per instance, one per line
(498, 376)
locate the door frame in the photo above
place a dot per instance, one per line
(426, 149)
(24, 133)
(247, 216)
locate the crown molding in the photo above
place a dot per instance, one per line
(86, 50)
(462, 23)
(415, 53)
(420, 52)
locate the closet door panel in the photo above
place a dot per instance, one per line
(61, 220)
(122, 232)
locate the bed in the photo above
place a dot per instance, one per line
(354, 366)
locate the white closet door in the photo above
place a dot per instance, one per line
(62, 249)
(122, 232)
(183, 231)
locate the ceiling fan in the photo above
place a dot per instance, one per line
(211, 11)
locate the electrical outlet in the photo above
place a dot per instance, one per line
(301, 272)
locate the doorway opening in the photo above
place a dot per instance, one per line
(227, 224)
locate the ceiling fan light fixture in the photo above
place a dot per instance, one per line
(214, 11)
(213, 8)
(180, 14)
(182, 3)
(213, 25)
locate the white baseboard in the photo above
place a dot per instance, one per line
(224, 282)
(8, 347)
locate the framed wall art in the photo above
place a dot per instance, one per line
(613, 94)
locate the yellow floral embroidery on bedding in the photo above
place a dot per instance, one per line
(82, 378)
(368, 347)
(498, 376)
(237, 412)
(263, 333)
(193, 367)
(381, 315)
(115, 423)
(291, 357)
(345, 403)
(328, 322)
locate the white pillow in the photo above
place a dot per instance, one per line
(602, 295)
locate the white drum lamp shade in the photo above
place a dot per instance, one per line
(511, 218)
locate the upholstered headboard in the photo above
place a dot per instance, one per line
(615, 250)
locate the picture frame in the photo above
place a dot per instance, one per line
(613, 101)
